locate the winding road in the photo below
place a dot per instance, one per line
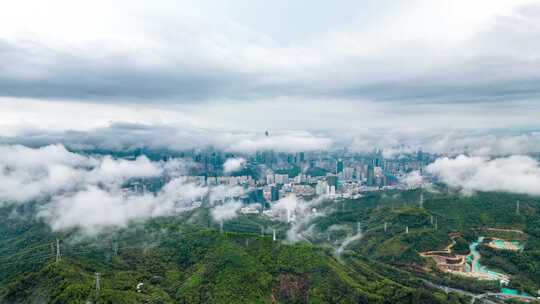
(482, 297)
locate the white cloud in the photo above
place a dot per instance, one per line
(439, 130)
(29, 174)
(226, 211)
(112, 170)
(222, 193)
(346, 242)
(300, 214)
(282, 142)
(515, 174)
(233, 164)
(413, 180)
(85, 192)
(485, 144)
(95, 209)
(158, 128)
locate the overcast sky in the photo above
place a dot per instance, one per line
(446, 76)
(303, 69)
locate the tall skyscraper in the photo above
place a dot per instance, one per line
(274, 193)
(339, 166)
(257, 195)
(348, 173)
(370, 175)
(378, 161)
(332, 180)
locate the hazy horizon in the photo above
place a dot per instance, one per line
(442, 76)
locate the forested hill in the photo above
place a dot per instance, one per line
(178, 263)
(187, 259)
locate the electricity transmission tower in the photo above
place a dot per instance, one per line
(98, 286)
(58, 255)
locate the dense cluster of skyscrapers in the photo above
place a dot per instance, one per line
(268, 176)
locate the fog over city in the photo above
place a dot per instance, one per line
(457, 79)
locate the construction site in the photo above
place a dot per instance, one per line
(469, 264)
(445, 259)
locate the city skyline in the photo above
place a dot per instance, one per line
(353, 74)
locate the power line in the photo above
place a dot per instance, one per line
(20, 253)
(20, 258)
(27, 261)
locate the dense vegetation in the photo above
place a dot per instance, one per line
(428, 227)
(186, 260)
(444, 212)
(187, 264)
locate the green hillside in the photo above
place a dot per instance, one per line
(180, 263)
(185, 259)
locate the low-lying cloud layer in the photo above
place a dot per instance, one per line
(515, 174)
(130, 137)
(86, 192)
(94, 209)
(472, 142)
(30, 174)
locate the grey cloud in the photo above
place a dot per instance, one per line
(38, 72)
(129, 137)
(473, 142)
(204, 63)
(428, 90)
